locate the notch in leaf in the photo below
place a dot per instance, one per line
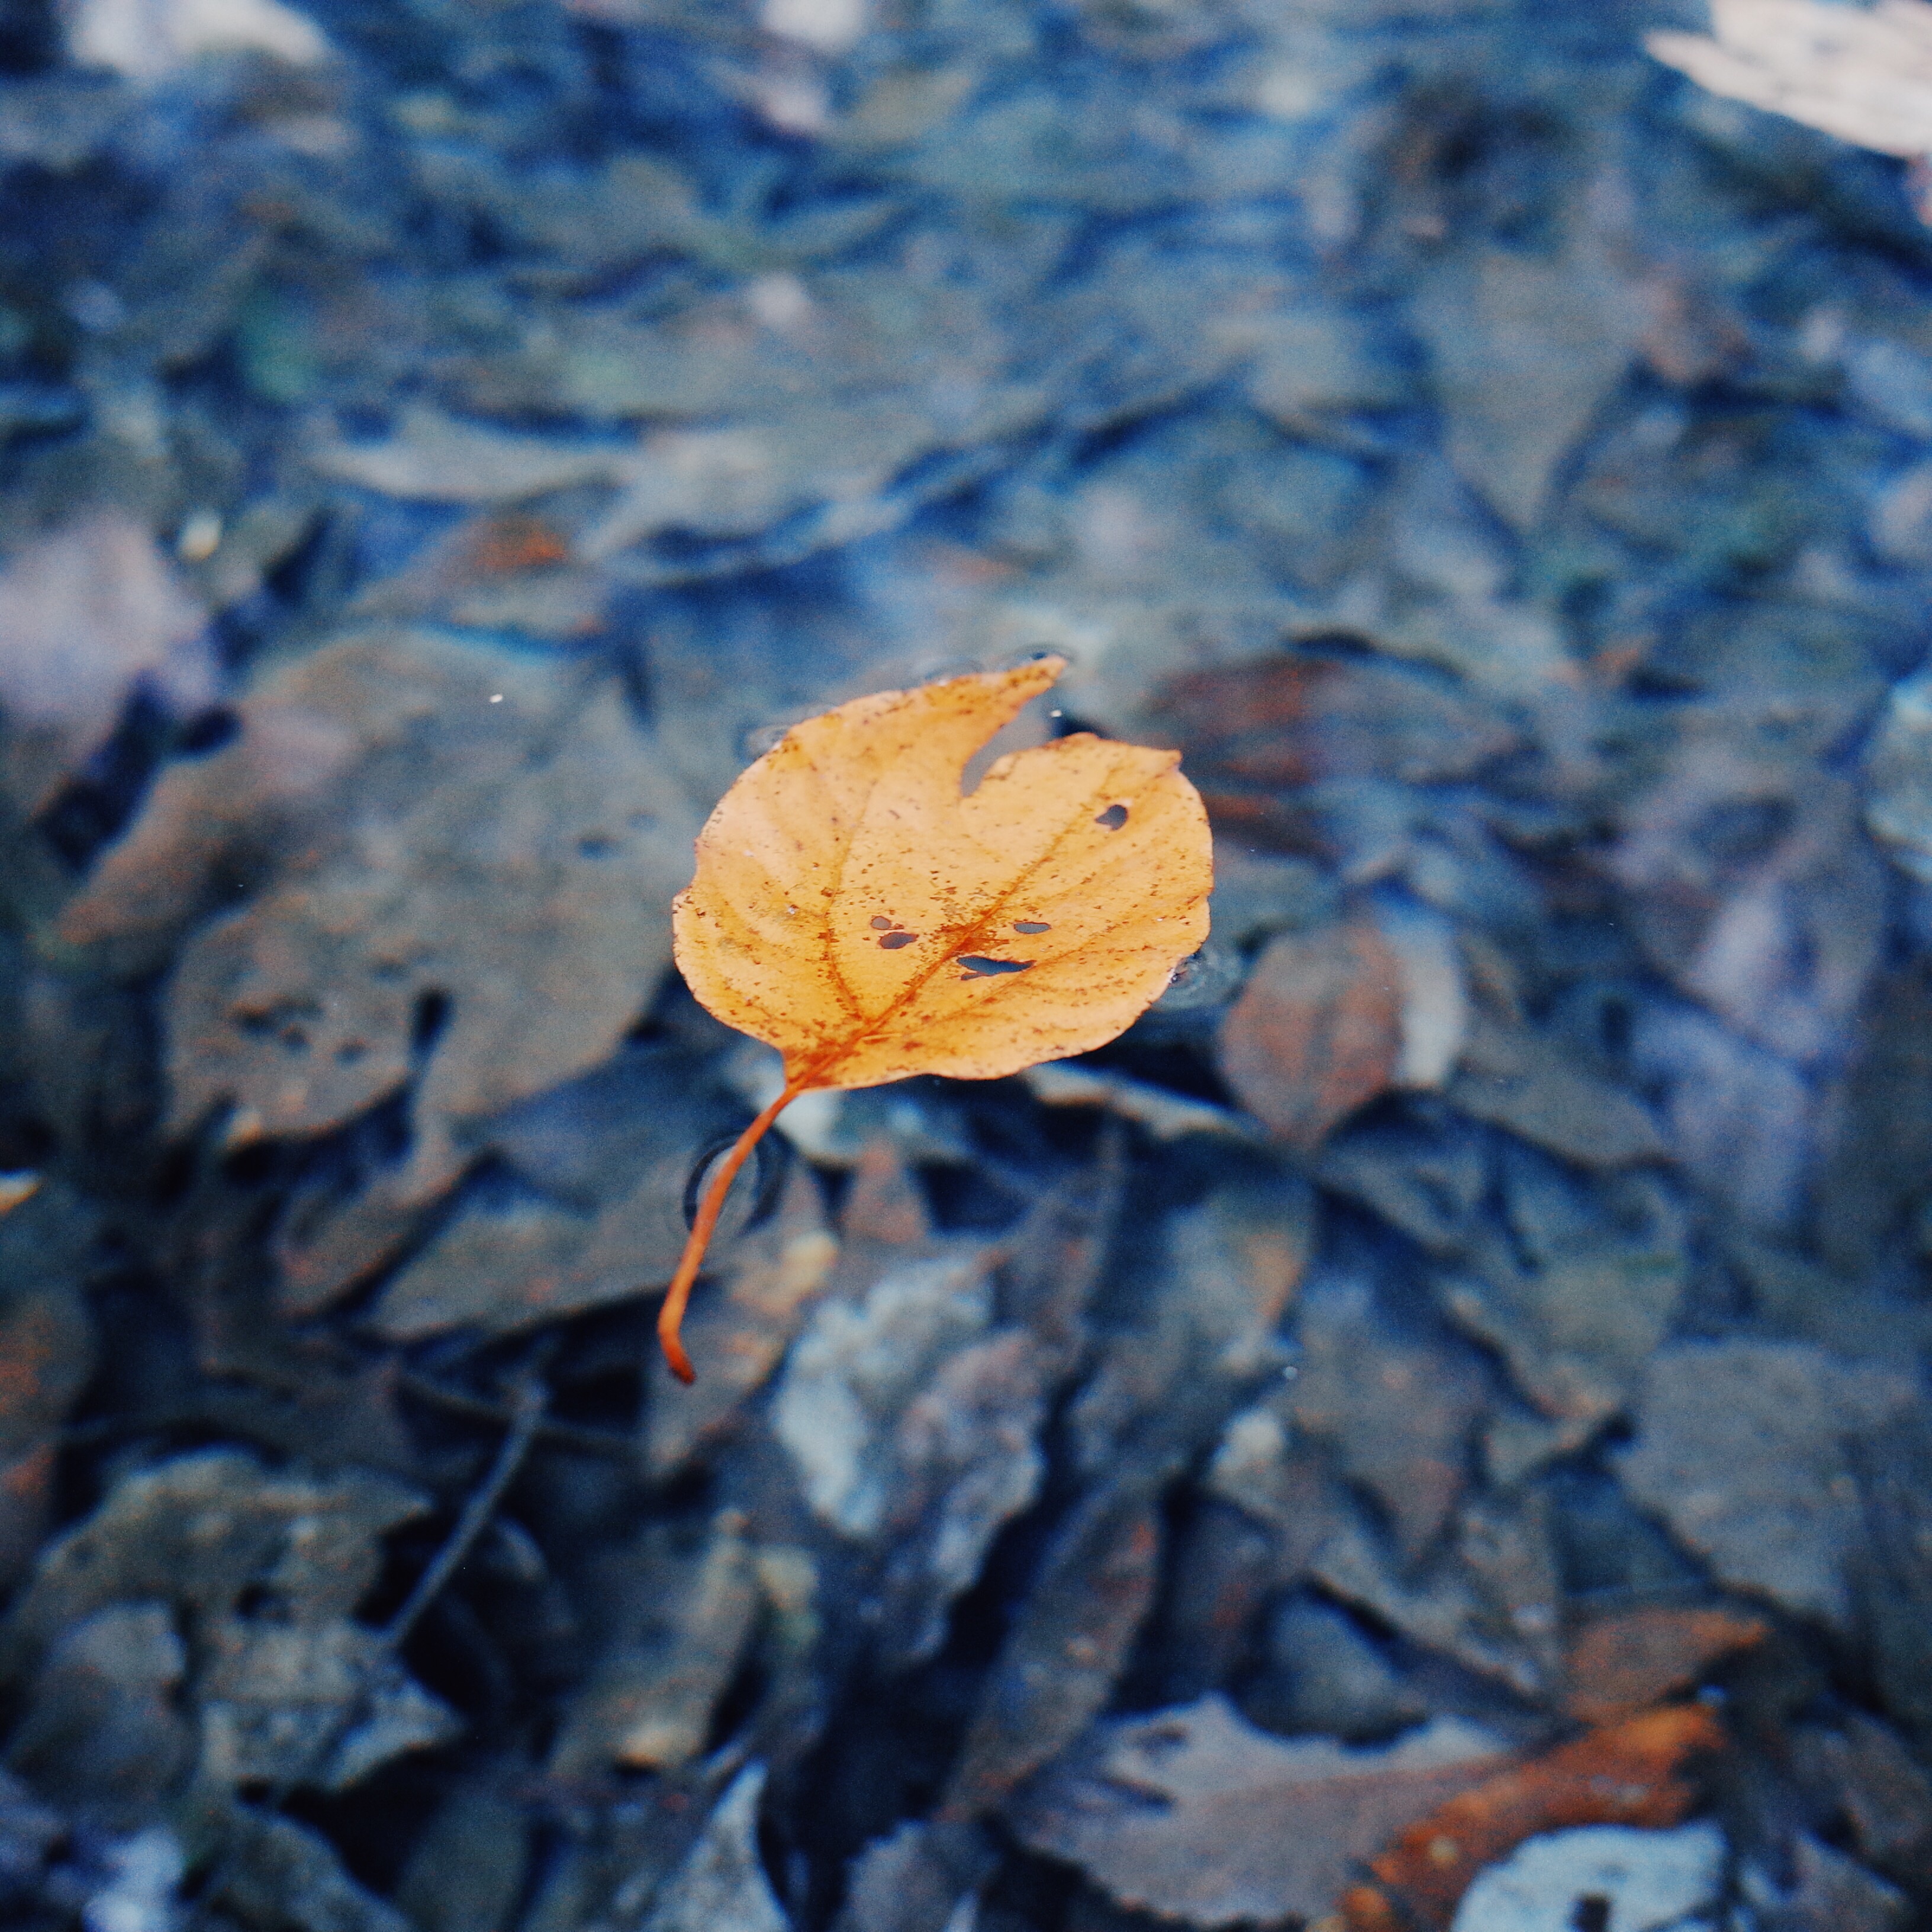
(861, 808)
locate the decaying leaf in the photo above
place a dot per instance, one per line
(967, 1463)
(199, 1529)
(467, 852)
(46, 1355)
(1526, 347)
(86, 613)
(852, 909)
(1752, 890)
(1255, 735)
(468, 1871)
(721, 1885)
(1165, 1115)
(1622, 1660)
(285, 1877)
(1829, 1892)
(1401, 1409)
(680, 1622)
(1744, 1447)
(1429, 1184)
(919, 1879)
(1579, 1289)
(265, 1570)
(1741, 1121)
(1517, 1080)
(1066, 1649)
(1634, 1773)
(1194, 1814)
(1865, 1770)
(1270, 1473)
(581, 1206)
(869, 1352)
(908, 1420)
(323, 1703)
(149, 45)
(1328, 1676)
(1317, 1031)
(1446, 1607)
(436, 457)
(1165, 1384)
(100, 1732)
(1878, 1158)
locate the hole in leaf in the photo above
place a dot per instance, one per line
(892, 941)
(1113, 818)
(974, 963)
(1031, 926)
(882, 925)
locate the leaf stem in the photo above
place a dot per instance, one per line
(670, 1317)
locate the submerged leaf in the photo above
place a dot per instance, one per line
(1192, 1814)
(852, 909)
(1636, 1773)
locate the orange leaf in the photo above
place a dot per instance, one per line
(852, 909)
(1632, 1773)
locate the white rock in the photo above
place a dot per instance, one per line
(1649, 1879)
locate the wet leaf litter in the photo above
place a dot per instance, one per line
(861, 808)
(1424, 1426)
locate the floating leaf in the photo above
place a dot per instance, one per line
(852, 909)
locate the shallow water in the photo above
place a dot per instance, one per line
(1476, 1316)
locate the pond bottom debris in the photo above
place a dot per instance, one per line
(1424, 1430)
